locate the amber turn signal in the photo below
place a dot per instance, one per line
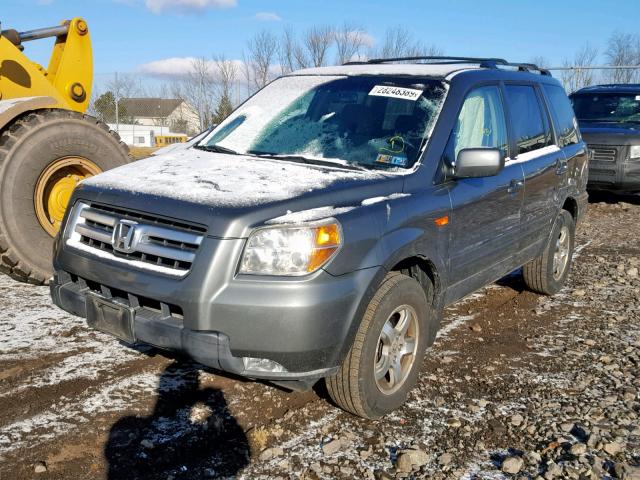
(327, 242)
(442, 221)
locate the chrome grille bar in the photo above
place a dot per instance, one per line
(604, 154)
(154, 245)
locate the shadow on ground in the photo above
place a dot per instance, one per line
(190, 434)
(597, 196)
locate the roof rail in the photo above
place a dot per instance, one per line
(483, 62)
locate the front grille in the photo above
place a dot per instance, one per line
(149, 242)
(603, 153)
(602, 172)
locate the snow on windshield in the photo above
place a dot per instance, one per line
(377, 122)
(247, 121)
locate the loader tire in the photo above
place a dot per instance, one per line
(29, 147)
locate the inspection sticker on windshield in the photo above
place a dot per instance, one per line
(396, 92)
(397, 160)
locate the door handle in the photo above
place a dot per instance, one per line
(515, 185)
(561, 167)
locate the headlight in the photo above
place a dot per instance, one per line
(634, 151)
(290, 250)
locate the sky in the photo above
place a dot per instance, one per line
(134, 36)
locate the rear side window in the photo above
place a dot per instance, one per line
(481, 123)
(563, 116)
(530, 127)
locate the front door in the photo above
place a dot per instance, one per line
(485, 217)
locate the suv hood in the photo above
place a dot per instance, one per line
(231, 194)
(610, 133)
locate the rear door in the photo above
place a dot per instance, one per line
(543, 164)
(485, 211)
(568, 137)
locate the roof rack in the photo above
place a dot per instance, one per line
(483, 62)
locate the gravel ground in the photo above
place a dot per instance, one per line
(516, 386)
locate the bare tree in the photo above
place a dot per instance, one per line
(301, 56)
(262, 51)
(286, 51)
(225, 73)
(317, 41)
(247, 74)
(399, 42)
(200, 90)
(124, 86)
(540, 61)
(575, 77)
(623, 49)
(350, 42)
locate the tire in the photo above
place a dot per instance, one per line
(27, 147)
(354, 387)
(540, 274)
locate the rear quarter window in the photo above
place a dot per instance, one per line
(563, 115)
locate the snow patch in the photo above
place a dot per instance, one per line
(310, 215)
(66, 414)
(393, 196)
(221, 180)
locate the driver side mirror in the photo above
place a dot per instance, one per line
(478, 162)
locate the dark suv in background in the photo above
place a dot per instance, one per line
(320, 230)
(609, 118)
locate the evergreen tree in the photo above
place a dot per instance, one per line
(224, 108)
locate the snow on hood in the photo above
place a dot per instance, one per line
(221, 180)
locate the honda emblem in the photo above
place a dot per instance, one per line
(124, 237)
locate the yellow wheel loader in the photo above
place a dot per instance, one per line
(47, 143)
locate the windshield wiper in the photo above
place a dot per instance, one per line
(306, 160)
(216, 149)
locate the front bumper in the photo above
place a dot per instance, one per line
(303, 326)
(615, 171)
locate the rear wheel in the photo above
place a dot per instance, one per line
(43, 156)
(548, 273)
(383, 364)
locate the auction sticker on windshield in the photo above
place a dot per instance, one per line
(396, 92)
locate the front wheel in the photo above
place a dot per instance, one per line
(548, 273)
(383, 364)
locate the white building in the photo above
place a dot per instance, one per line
(164, 114)
(145, 136)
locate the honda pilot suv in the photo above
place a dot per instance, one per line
(320, 230)
(609, 118)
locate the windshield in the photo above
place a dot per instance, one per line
(607, 107)
(372, 122)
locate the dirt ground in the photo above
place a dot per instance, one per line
(141, 152)
(516, 386)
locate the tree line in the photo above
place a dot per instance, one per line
(212, 86)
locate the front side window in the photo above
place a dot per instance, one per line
(607, 107)
(369, 121)
(529, 126)
(564, 118)
(481, 123)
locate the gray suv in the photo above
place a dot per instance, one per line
(320, 230)
(609, 119)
